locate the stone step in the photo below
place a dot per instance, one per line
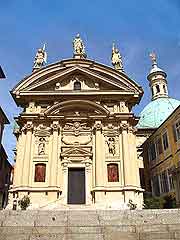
(88, 224)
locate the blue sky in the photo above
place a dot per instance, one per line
(137, 26)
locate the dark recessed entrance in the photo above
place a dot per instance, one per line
(76, 186)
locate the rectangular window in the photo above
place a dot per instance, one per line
(159, 146)
(164, 182)
(165, 141)
(170, 177)
(155, 185)
(176, 131)
(152, 152)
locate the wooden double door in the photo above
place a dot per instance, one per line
(76, 186)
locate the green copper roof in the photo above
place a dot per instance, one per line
(156, 112)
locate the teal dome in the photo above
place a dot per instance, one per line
(154, 114)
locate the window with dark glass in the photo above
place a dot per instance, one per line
(159, 148)
(113, 172)
(164, 87)
(77, 85)
(164, 182)
(40, 172)
(157, 88)
(165, 141)
(152, 152)
(176, 131)
(155, 185)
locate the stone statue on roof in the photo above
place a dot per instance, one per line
(40, 58)
(153, 58)
(79, 48)
(116, 59)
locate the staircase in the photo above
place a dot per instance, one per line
(89, 224)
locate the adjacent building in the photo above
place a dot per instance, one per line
(5, 166)
(161, 153)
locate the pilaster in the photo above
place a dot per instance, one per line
(28, 128)
(54, 156)
(100, 154)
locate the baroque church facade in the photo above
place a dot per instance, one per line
(76, 135)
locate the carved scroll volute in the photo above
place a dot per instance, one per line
(132, 130)
(28, 127)
(124, 126)
(98, 126)
(55, 126)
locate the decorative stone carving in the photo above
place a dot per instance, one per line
(76, 127)
(41, 146)
(55, 126)
(42, 131)
(79, 48)
(116, 59)
(132, 130)
(98, 126)
(124, 126)
(40, 58)
(28, 127)
(77, 141)
(111, 145)
(123, 107)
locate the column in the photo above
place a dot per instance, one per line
(100, 154)
(54, 156)
(88, 171)
(27, 155)
(65, 180)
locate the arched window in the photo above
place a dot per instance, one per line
(77, 85)
(157, 88)
(164, 87)
(40, 172)
(113, 172)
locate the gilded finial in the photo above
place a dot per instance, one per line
(116, 58)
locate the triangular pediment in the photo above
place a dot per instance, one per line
(61, 77)
(76, 151)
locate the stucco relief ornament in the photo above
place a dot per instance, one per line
(116, 59)
(111, 145)
(28, 127)
(41, 146)
(40, 58)
(55, 126)
(124, 126)
(79, 48)
(98, 126)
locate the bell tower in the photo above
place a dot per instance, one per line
(157, 80)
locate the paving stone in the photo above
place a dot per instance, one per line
(84, 237)
(156, 236)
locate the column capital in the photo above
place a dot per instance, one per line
(132, 130)
(124, 126)
(98, 126)
(28, 127)
(55, 126)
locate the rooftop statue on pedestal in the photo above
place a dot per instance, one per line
(40, 58)
(116, 59)
(79, 48)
